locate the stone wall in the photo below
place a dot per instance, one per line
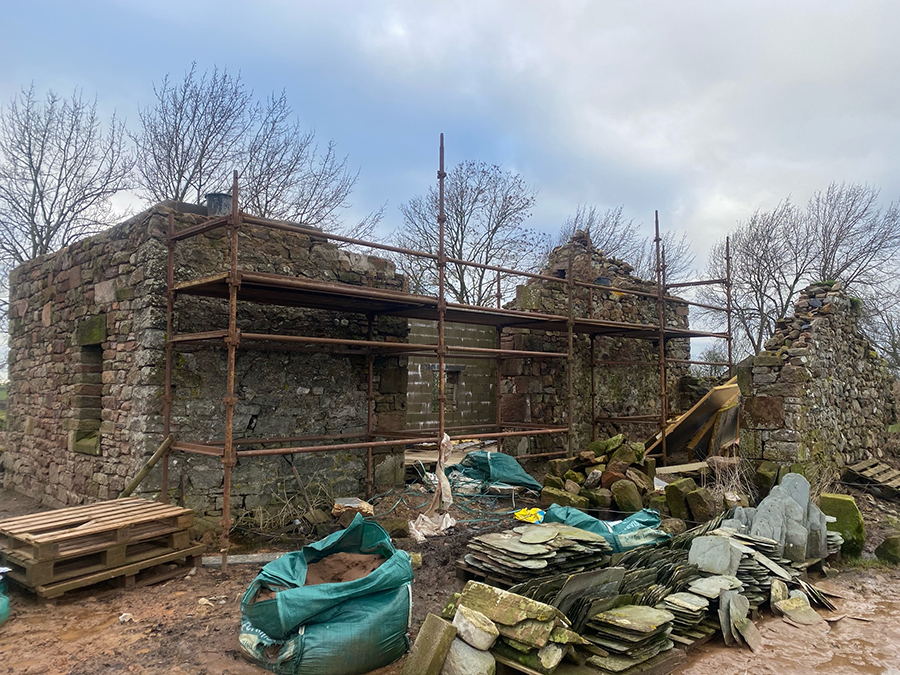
(469, 383)
(818, 395)
(536, 390)
(80, 350)
(87, 333)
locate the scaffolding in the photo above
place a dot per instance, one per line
(243, 285)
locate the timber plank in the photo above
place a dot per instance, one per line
(73, 515)
(865, 464)
(877, 472)
(686, 426)
(79, 530)
(82, 516)
(877, 475)
(887, 476)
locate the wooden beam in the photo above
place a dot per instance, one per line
(142, 474)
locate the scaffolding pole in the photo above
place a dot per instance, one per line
(442, 301)
(167, 391)
(661, 321)
(728, 306)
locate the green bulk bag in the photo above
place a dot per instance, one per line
(337, 628)
(4, 601)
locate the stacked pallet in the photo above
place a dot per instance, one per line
(128, 540)
(877, 476)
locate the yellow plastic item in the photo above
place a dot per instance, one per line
(529, 515)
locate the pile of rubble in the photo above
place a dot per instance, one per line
(609, 474)
(484, 625)
(612, 477)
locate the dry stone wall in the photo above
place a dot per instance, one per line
(87, 335)
(536, 390)
(819, 395)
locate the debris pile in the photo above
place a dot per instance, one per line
(609, 474)
(536, 550)
(588, 622)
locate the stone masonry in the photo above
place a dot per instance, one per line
(87, 334)
(536, 390)
(819, 395)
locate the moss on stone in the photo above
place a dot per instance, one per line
(91, 331)
(849, 521)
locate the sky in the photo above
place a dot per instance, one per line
(704, 111)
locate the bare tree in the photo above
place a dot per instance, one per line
(191, 137)
(842, 234)
(880, 319)
(857, 240)
(285, 177)
(58, 172)
(202, 128)
(621, 238)
(485, 208)
(712, 354)
(772, 258)
(609, 230)
(676, 250)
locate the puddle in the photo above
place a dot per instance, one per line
(83, 631)
(845, 647)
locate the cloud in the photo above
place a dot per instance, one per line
(705, 111)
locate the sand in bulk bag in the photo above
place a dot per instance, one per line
(342, 628)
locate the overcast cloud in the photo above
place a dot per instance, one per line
(703, 110)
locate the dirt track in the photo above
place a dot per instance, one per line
(189, 625)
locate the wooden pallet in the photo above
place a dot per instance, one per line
(150, 571)
(877, 475)
(33, 573)
(82, 530)
(466, 572)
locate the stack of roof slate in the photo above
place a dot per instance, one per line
(536, 550)
(630, 634)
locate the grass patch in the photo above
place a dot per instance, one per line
(865, 564)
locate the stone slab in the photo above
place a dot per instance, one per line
(715, 555)
(848, 521)
(463, 659)
(432, 645)
(475, 628)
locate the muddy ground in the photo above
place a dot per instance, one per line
(186, 625)
(189, 624)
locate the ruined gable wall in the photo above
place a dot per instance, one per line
(818, 395)
(536, 390)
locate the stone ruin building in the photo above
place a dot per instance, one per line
(614, 377)
(87, 369)
(87, 354)
(87, 362)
